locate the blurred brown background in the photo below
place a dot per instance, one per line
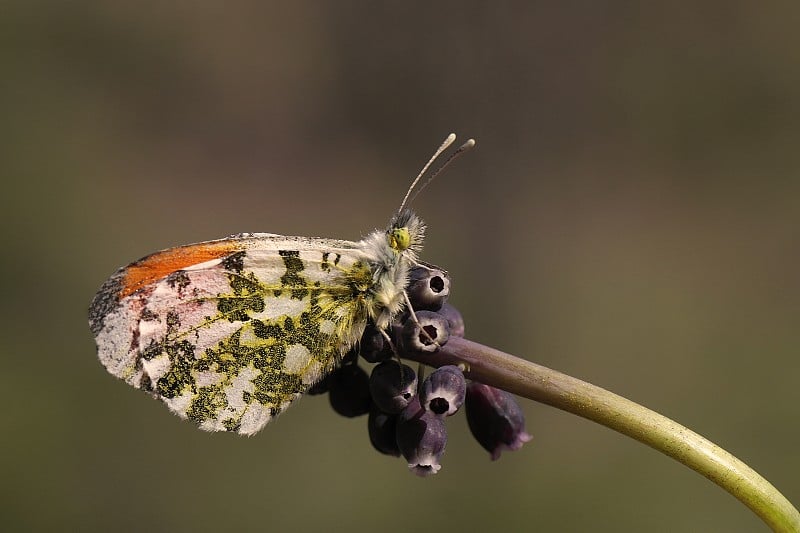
(630, 216)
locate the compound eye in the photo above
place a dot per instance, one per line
(399, 239)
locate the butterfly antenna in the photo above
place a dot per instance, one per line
(461, 149)
(447, 142)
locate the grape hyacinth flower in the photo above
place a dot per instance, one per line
(373, 347)
(495, 419)
(443, 391)
(406, 417)
(349, 391)
(426, 334)
(428, 288)
(382, 428)
(421, 438)
(455, 321)
(392, 386)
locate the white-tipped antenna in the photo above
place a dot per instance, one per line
(447, 142)
(461, 149)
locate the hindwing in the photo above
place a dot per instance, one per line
(228, 333)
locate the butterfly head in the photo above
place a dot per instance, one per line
(406, 233)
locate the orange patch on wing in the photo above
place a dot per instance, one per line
(161, 264)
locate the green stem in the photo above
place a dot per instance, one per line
(544, 385)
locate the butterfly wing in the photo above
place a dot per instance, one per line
(228, 333)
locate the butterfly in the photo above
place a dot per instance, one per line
(228, 333)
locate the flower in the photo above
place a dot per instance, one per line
(495, 419)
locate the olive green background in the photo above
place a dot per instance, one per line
(631, 216)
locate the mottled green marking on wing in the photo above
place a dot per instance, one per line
(261, 344)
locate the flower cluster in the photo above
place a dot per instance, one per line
(407, 413)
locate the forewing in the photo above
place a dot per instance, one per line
(228, 333)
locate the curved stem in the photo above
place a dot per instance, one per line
(544, 385)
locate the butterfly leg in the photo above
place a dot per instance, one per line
(413, 316)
